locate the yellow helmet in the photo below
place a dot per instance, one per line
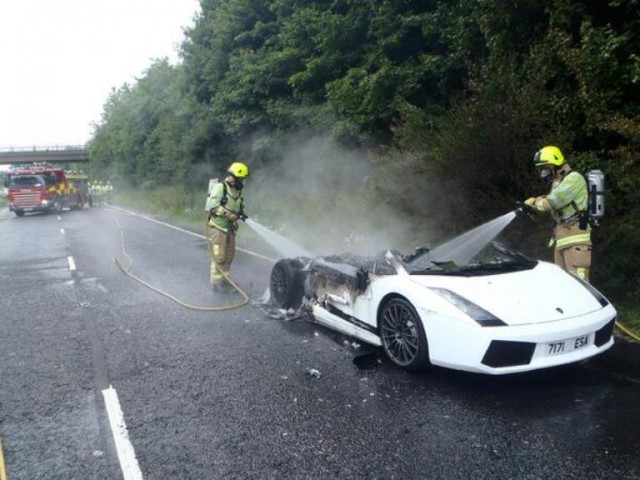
(238, 170)
(548, 156)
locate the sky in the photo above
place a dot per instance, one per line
(60, 59)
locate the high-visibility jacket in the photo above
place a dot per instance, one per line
(567, 199)
(225, 200)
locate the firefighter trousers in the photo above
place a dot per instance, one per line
(223, 251)
(575, 259)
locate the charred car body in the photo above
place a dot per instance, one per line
(487, 316)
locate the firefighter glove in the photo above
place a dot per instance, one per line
(530, 202)
(524, 209)
(242, 215)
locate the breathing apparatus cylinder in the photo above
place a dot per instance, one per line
(209, 204)
(595, 184)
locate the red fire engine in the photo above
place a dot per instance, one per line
(40, 188)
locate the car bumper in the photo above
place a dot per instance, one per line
(512, 349)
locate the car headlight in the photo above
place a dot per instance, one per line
(479, 314)
(45, 202)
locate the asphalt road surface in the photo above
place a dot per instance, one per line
(227, 395)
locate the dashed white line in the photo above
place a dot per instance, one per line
(62, 231)
(59, 218)
(72, 264)
(126, 454)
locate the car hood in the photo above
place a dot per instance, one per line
(545, 293)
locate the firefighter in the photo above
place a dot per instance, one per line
(226, 208)
(567, 203)
(109, 190)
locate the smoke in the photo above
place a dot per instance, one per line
(321, 196)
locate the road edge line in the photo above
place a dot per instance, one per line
(3, 470)
(193, 234)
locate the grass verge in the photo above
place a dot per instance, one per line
(182, 207)
(303, 220)
(629, 316)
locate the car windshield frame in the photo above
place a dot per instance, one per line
(494, 258)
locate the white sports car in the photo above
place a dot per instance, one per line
(499, 313)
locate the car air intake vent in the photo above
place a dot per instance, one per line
(604, 334)
(508, 354)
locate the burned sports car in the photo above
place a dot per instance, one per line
(499, 312)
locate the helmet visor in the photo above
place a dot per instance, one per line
(536, 159)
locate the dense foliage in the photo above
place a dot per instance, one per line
(449, 99)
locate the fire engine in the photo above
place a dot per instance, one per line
(40, 187)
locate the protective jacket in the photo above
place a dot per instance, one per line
(566, 200)
(227, 203)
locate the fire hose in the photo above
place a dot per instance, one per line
(622, 327)
(128, 271)
(528, 210)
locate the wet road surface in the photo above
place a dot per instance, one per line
(225, 395)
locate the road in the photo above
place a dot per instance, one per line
(225, 395)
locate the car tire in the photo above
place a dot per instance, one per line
(403, 338)
(287, 283)
(19, 213)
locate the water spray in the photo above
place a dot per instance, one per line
(463, 248)
(286, 248)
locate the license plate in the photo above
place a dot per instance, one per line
(566, 346)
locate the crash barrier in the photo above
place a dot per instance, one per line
(128, 271)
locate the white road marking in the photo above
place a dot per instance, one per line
(72, 264)
(62, 231)
(126, 454)
(59, 218)
(197, 235)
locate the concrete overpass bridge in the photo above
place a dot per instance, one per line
(49, 154)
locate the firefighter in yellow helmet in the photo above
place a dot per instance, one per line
(567, 202)
(226, 207)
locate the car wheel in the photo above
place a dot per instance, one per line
(19, 213)
(403, 338)
(287, 283)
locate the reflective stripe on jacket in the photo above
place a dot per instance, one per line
(567, 199)
(234, 204)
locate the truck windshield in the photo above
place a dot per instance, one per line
(26, 181)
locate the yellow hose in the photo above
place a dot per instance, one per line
(127, 271)
(627, 331)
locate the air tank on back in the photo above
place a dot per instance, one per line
(595, 183)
